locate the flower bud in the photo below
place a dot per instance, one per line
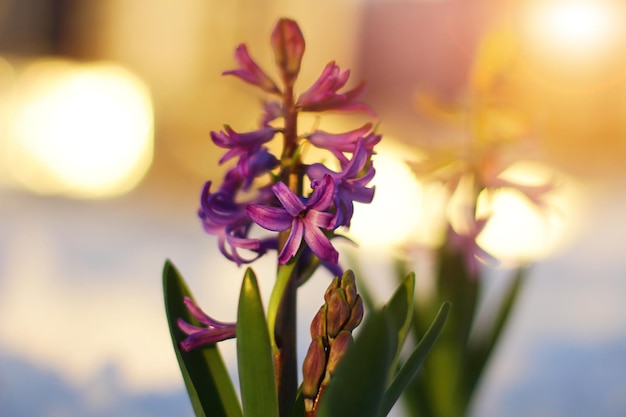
(338, 312)
(333, 286)
(348, 283)
(356, 315)
(313, 368)
(339, 347)
(318, 324)
(288, 44)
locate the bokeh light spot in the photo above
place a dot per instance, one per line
(79, 130)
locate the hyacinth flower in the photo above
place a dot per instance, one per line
(351, 183)
(339, 143)
(324, 94)
(250, 72)
(304, 220)
(215, 331)
(276, 204)
(482, 138)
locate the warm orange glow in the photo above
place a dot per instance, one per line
(517, 230)
(393, 215)
(582, 28)
(79, 130)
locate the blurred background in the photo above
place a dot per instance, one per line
(105, 114)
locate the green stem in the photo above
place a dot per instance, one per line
(282, 311)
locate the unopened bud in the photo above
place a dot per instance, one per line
(288, 44)
(339, 347)
(313, 368)
(348, 283)
(338, 312)
(318, 324)
(333, 286)
(356, 315)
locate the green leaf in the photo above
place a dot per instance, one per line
(400, 311)
(282, 280)
(358, 386)
(207, 381)
(297, 408)
(254, 353)
(480, 352)
(415, 360)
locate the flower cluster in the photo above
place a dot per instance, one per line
(277, 202)
(476, 165)
(267, 190)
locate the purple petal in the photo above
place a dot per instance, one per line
(187, 328)
(319, 218)
(288, 199)
(293, 242)
(319, 244)
(322, 196)
(197, 312)
(207, 337)
(275, 219)
(250, 72)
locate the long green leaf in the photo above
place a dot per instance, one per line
(207, 381)
(479, 353)
(358, 386)
(415, 360)
(400, 311)
(254, 353)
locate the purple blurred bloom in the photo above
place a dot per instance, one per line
(337, 143)
(323, 94)
(250, 72)
(350, 184)
(272, 110)
(214, 331)
(304, 220)
(223, 217)
(466, 244)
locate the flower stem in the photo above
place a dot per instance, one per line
(286, 355)
(285, 325)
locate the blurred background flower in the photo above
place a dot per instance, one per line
(105, 114)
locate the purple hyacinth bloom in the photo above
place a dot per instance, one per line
(241, 144)
(350, 184)
(323, 95)
(304, 219)
(338, 143)
(223, 217)
(250, 72)
(215, 331)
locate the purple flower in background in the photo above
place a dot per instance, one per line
(304, 220)
(350, 184)
(214, 331)
(338, 143)
(250, 72)
(323, 94)
(465, 243)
